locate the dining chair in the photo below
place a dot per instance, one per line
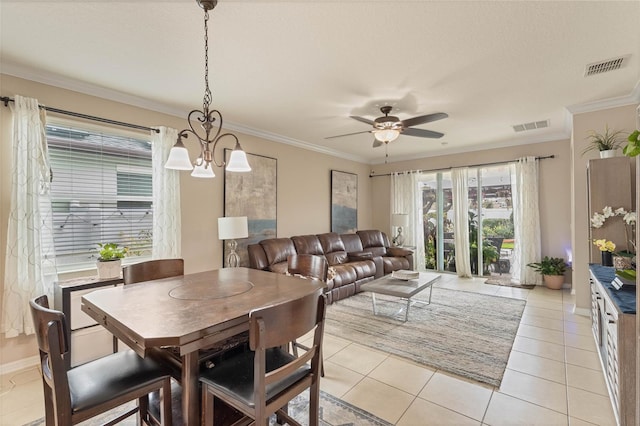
(152, 270)
(307, 266)
(261, 381)
(80, 393)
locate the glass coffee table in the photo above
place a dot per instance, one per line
(404, 289)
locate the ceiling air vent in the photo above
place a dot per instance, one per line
(605, 66)
(531, 126)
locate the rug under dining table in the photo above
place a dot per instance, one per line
(464, 333)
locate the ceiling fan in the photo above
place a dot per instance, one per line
(387, 129)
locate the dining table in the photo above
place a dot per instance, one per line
(190, 313)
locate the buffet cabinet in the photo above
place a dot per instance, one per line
(613, 322)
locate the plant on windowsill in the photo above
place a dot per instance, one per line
(606, 143)
(552, 270)
(109, 262)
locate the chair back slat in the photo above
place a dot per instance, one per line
(152, 270)
(308, 265)
(284, 322)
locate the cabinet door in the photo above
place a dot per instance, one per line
(89, 344)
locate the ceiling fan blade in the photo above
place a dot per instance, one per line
(348, 134)
(376, 143)
(362, 120)
(421, 133)
(415, 121)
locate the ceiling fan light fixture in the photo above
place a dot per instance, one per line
(386, 135)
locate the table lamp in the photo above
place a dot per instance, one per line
(399, 220)
(230, 228)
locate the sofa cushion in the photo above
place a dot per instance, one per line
(395, 263)
(360, 255)
(351, 242)
(278, 249)
(345, 274)
(398, 251)
(364, 268)
(280, 267)
(331, 242)
(373, 241)
(307, 244)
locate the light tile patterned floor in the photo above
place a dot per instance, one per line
(553, 376)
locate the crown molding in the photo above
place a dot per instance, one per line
(630, 99)
(136, 101)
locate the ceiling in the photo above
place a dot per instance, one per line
(295, 70)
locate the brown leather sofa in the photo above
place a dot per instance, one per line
(354, 258)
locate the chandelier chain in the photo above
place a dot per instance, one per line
(207, 93)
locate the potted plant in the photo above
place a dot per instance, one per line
(606, 143)
(633, 146)
(109, 260)
(552, 270)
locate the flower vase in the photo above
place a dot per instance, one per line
(607, 258)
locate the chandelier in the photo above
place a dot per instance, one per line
(209, 121)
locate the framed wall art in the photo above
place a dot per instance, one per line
(344, 202)
(252, 194)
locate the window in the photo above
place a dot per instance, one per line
(101, 192)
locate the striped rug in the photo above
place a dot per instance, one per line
(464, 333)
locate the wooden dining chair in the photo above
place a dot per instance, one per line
(307, 266)
(75, 395)
(262, 381)
(152, 270)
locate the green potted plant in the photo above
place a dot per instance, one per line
(109, 262)
(552, 270)
(633, 145)
(606, 143)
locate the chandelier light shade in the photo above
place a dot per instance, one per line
(230, 229)
(386, 135)
(210, 123)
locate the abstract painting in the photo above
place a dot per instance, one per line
(252, 194)
(344, 202)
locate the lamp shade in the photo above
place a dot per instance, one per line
(399, 219)
(230, 228)
(203, 171)
(178, 158)
(386, 135)
(238, 160)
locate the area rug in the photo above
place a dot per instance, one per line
(464, 333)
(505, 280)
(333, 412)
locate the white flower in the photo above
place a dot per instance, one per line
(607, 212)
(597, 220)
(630, 218)
(620, 212)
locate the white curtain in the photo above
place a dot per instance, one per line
(460, 193)
(526, 221)
(167, 234)
(30, 258)
(407, 198)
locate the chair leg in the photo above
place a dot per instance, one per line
(314, 403)
(207, 406)
(143, 410)
(294, 348)
(166, 410)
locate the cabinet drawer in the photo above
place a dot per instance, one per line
(89, 344)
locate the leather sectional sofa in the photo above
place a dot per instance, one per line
(354, 258)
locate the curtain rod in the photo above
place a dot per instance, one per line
(6, 101)
(372, 174)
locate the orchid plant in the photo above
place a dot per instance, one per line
(605, 245)
(629, 219)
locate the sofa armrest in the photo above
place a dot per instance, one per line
(399, 252)
(359, 255)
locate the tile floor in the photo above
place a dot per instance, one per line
(553, 376)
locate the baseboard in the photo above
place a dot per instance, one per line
(21, 364)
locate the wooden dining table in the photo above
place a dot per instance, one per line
(190, 312)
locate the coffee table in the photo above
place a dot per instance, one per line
(404, 289)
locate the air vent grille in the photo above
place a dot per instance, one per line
(605, 66)
(531, 126)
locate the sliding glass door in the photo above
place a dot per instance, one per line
(490, 220)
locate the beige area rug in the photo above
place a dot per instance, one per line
(333, 412)
(464, 333)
